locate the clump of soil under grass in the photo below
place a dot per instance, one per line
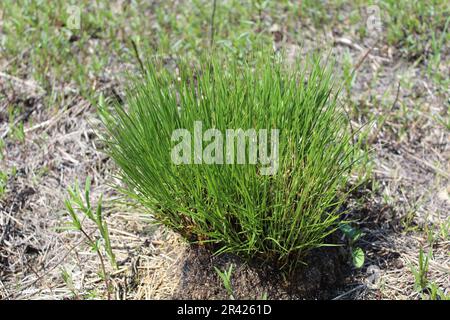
(319, 278)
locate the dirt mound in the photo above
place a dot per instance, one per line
(323, 273)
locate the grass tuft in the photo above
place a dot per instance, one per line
(234, 207)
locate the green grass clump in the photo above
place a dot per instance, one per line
(234, 207)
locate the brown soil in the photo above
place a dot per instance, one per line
(324, 271)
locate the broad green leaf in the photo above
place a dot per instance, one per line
(358, 257)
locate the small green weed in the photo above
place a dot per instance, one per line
(353, 235)
(79, 204)
(225, 276)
